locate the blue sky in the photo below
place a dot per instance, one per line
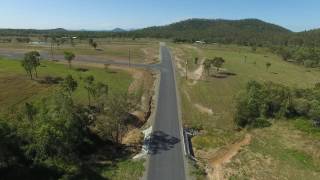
(297, 15)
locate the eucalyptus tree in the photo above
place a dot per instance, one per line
(31, 62)
(69, 56)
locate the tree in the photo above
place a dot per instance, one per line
(31, 62)
(218, 62)
(101, 94)
(10, 146)
(95, 45)
(72, 42)
(91, 42)
(248, 106)
(30, 111)
(117, 112)
(53, 41)
(89, 86)
(284, 53)
(69, 56)
(207, 65)
(196, 59)
(28, 67)
(69, 85)
(314, 113)
(268, 64)
(35, 59)
(57, 133)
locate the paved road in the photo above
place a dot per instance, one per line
(166, 160)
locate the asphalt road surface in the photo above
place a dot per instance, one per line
(166, 160)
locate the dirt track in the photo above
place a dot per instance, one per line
(224, 156)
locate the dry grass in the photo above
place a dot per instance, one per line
(16, 88)
(140, 51)
(279, 152)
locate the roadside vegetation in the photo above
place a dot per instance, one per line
(255, 102)
(307, 56)
(68, 122)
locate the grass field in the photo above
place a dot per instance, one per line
(141, 51)
(16, 87)
(282, 151)
(218, 95)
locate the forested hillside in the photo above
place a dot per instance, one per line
(247, 31)
(251, 32)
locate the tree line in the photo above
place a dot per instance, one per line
(306, 56)
(261, 102)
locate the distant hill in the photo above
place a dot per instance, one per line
(118, 30)
(218, 30)
(30, 32)
(57, 30)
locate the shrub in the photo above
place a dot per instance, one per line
(248, 106)
(301, 106)
(261, 123)
(314, 112)
(309, 63)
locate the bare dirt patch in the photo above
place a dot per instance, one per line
(203, 109)
(224, 156)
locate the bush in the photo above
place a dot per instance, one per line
(261, 123)
(53, 132)
(10, 151)
(301, 106)
(270, 100)
(309, 63)
(314, 112)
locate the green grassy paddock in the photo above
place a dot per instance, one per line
(16, 88)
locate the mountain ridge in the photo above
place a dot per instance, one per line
(251, 31)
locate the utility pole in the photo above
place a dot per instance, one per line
(186, 69)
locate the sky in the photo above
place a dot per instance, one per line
(296, 15)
